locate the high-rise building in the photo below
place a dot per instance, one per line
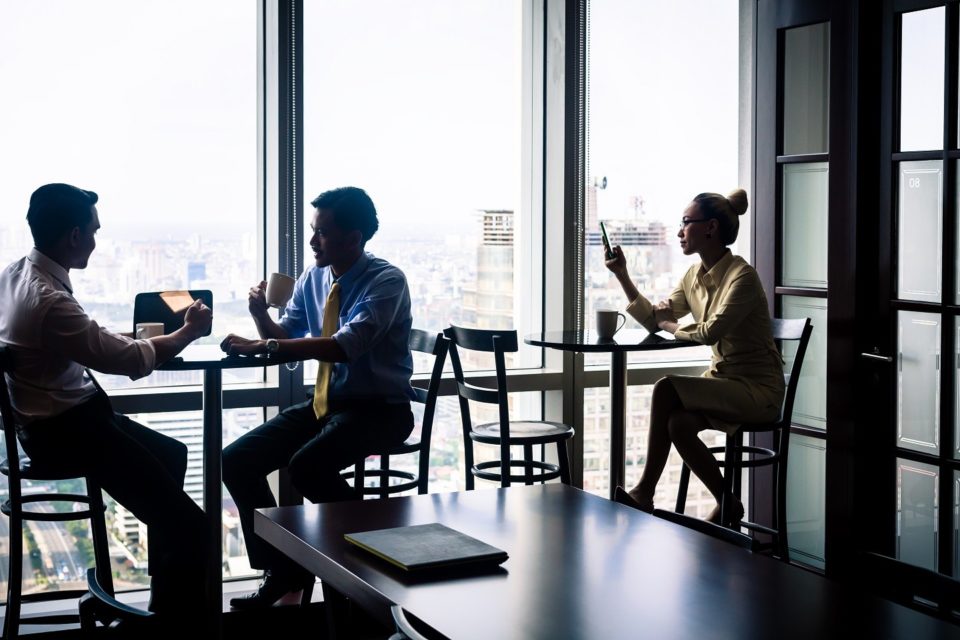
(490, 304)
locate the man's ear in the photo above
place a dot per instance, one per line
(355, 238)
(74, 236)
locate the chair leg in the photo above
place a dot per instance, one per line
(424, 466)
(563, 462)
(682, 489)
(307, 596)
(730, 454)
(468, 463)
(384, 479)
(358, 479)
(781, 507)
(11, 618)
(98, 533)
(527, 467)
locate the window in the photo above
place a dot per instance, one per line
(662, 127)
(153, 106)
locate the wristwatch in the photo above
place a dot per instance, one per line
(273, 346)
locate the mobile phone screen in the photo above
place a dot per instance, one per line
(606, 241)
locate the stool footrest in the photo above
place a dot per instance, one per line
(547, 470)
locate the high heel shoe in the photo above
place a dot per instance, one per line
(735, 513)
(620, 495)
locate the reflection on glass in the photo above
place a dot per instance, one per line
(921, 80)
(920, 223)
(918, 381)
(806, 491)
(806, 89)
(805, 224)
(810, 405)
(917, 506)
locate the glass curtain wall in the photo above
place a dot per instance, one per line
(653, 144)
(153, 106)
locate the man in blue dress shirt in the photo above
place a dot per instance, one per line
(350, 311)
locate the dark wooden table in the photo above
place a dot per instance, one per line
(580, 566)
(618, 347)
(212, 361)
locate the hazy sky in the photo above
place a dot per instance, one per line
(153, 105)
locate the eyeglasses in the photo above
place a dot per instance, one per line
(685, 221)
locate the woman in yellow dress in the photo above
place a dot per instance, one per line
(745, 380)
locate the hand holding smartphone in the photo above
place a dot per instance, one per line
(608, 252)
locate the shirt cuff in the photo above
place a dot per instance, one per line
(642, 311)
(148, 358)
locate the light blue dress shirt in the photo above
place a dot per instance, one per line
(374, 327)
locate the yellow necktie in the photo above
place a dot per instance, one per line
(331, 320)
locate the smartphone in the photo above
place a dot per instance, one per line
(608, 252)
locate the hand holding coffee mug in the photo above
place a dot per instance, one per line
(279, 289)
(148, 330)
(607, 325)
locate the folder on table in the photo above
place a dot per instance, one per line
(427, 546)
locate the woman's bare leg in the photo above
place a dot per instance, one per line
(664, 402)
(684, 429)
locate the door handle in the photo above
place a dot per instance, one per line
(877, 357)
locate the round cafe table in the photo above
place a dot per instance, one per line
(212, 361)
(618, 347)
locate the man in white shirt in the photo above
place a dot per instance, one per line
(63, 417)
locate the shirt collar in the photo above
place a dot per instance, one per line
(713, 277)
(353, 273)
(49, 265)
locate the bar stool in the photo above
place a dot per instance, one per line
(733, 450)
(435, 345)
(14, 508)
(505, 432)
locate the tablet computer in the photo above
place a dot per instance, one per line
(168, 307)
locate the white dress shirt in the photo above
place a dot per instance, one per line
(53, 341)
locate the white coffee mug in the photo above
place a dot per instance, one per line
(148, 330)
(279, 289)
(607, 324)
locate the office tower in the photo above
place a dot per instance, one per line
(196, 271)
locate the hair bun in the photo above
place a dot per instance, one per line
(738, 201)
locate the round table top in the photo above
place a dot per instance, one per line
(209, 356)
(588, 342)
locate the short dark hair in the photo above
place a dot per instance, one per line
(55, 209)
(352, 209)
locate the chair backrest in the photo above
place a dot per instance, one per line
(915, 587)
(798, 330)
(742, 540)
(436, 345)
(497, 342)
(9, 429)
(405, 630)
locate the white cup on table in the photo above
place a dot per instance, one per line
(148, 330)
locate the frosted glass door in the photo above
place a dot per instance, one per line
(805, 224)
(920, 224)
(806, 89)
(921, 80)
(917, 504)
(810, 405)
(806, 492)
(918, 381)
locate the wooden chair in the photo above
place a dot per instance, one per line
(737, 538)
(503, 433)
(16, 509)
(734, 450)
(435, 345)
(100, 610)
(405, 630)
(918, 588)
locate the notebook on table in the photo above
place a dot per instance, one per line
(427, 546)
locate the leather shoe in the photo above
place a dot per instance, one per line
(271, 589)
